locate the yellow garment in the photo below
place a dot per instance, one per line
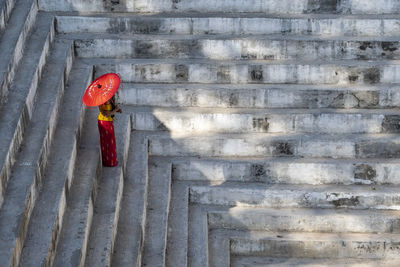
(103, 117)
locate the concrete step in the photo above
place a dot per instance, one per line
(12, 42)
(286, 121)
(21, 97)
(27, 174)
(259, 96)
(305, 220)
(178, 225)
(297, 196)
(262, 6)
(239, 261)
(244, 71)
(107, 206)
(132, 221)
(47, 217)
(313, 245)
(6, 7)
(158, 205)
(224, 47)
(232, 24)
(77, 221)
(347, 146)
(286, 170)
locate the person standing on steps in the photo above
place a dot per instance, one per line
(107, 134)
(101, 93)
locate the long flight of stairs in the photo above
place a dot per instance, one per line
(254, 133)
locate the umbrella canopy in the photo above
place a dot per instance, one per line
(102, 89)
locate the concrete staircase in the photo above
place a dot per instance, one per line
(254, 133)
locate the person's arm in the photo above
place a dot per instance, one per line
(109, 113)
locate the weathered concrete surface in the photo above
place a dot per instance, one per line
(255, 72)
(132, 221)
(48, 215)
(287, 171)
(296, 196)
(253, 48)
(6, 7)
(158, 201)
(243, 261)
(21, 97)
(324, 26)
(13, 40)
(306, 220)
(318, 246)
(260, 96)
(75, 230)
(264, 6)
(27, 177)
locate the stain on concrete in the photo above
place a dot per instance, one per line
(261, 124)
(249, 56)
(322, 6)
(365, 172)
(372, 75)
(367, 99)
(257, 171)
(365, 45)
(233, 99)
(256, 73)
(175, 3)
(143, 49)
(353, 78)
(121, 25)
(345, 202)
(224, 74)
(283, 149)
(181, 73)
(389, 46)
(391, 124)
(372, 149)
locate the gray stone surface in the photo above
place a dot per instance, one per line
(132, 221)
(254, 72)
(26, 180)
(297, 196)
(232, 24)
(6, 7)
(264, 6)
(76, 224)
(47, 216)
(158, 204)
(271, 47)
(301, 262)
(260, 96)
(22, 95)
(12, 42)
(287, 170)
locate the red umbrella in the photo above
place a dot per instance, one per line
(102, 89)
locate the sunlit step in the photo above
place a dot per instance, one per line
(194, 120)
(297, 196)
(250, 71)
(275, 47)
(286, 170)
(232, 24)
(263, 6)
(259, 96)
(305, 220)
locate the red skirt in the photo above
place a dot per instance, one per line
(107, 143)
